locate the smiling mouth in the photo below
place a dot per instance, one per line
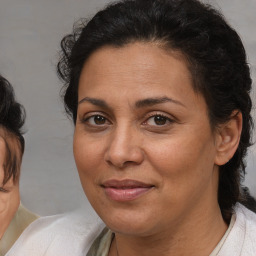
(125, 190)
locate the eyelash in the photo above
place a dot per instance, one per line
(87, 119)
(3, 190)
(165, 117)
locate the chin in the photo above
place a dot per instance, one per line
(129, 228)
(135, 217)
(129, 222)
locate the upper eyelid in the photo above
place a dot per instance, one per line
(144, 117)
(170, 120)
(85, 119)
(95, 113)
(159, 113)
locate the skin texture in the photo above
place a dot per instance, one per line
(117, 136)
(10, 199)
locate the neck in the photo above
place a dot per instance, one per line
(195, 236)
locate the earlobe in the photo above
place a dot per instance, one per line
(228, 138)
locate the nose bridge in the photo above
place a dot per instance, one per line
(124, 146)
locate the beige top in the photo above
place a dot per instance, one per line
(20, 221)
(74, 235)
(101, 245)
(222, 241)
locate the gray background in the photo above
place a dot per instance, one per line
(30, 32)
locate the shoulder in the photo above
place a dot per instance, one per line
(24, 217)
(241, 240)
(247, 222)
(19, 223)
(59, 235)
(246, 219)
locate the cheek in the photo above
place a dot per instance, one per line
(183, 161)
(9, 202)
(87, 156)
(4, 198)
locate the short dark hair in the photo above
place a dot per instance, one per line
(214, 52)
(12, 118)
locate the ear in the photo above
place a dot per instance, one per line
(228, 138)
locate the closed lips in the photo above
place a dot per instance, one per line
(124, 184)
(125, 190)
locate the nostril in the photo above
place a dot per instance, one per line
(124, 159)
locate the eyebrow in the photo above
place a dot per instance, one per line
(139, 104)
(93, 101)
(154, 101)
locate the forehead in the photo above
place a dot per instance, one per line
(8, 139)
(10, 154)
(135, 71)
(2, 143)
(2, 158)
(139, 60)
(2, 146)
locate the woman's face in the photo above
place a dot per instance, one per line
(143, 144)
(9, 193)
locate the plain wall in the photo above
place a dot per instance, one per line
(30, 33)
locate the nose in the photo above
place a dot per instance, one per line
(124, 148)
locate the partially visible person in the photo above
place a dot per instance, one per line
(14, 218)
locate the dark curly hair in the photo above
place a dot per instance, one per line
(12, 118)
(215, 54)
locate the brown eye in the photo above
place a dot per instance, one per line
(99, 120)
(158, 120)
(96, 120)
